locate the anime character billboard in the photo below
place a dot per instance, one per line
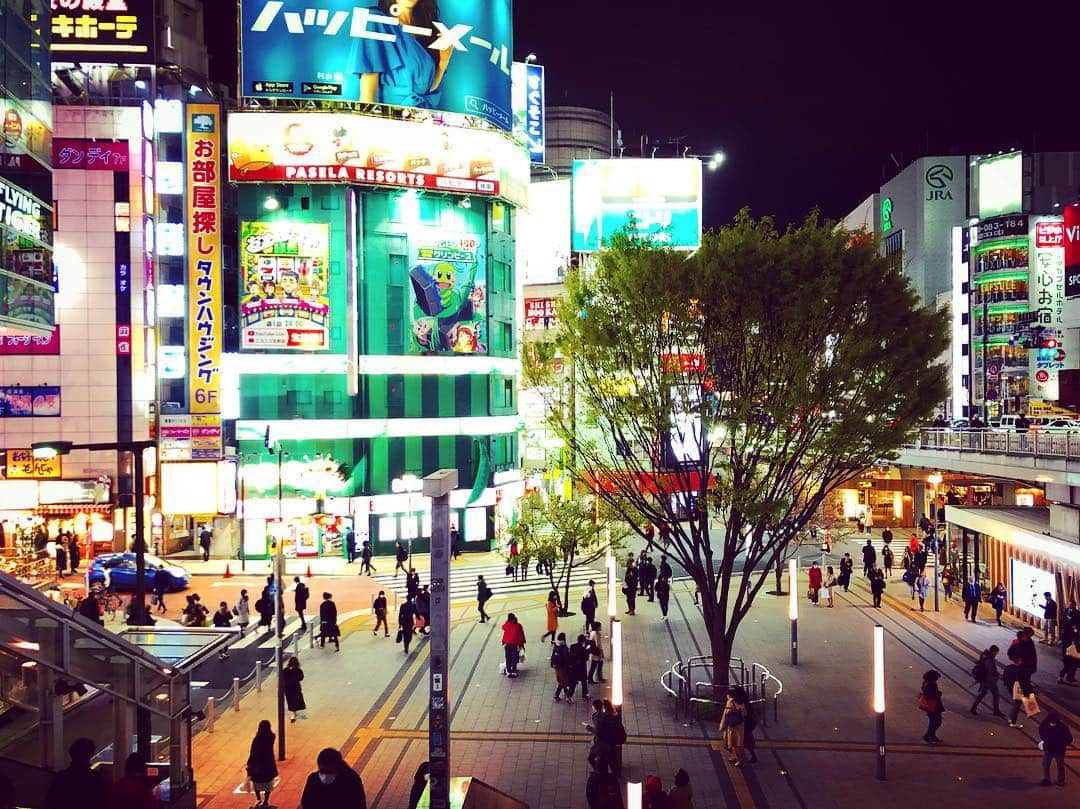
(449, 305)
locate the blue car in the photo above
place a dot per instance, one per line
(121, 568)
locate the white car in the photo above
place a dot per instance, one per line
(1061, 426)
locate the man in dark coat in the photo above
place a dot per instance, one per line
(869, 558)
(78, 785)
(335, 785)
(972, 595)
(301, 597)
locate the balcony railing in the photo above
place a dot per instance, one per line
(1030, 444)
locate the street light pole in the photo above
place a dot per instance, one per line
(793, 608)
(879, 697)
(279, 608)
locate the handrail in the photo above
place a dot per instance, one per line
(1033, 444)
(754, 683)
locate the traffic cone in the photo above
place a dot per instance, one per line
(227, 575)
(309, 570)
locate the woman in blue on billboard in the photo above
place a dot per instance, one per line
(405, 72)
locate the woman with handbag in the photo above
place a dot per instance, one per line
(828, 586)
(930, 702)
(261, 764)
(732, 723)
(998, 597)
(513, 639)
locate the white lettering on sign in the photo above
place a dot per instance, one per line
(20, 211)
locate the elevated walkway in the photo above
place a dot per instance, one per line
(1043, 457)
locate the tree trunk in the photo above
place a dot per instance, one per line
(779, 576)
(721, 654)
(567, 570)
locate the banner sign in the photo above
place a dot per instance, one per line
(1047, 296)
(204, 257)
(452, 56)
(91, 155)
(662, 197)
(20, 464)
(112, 31)
(285, 268)
(449, 285)
(528, 94)
(190, 438)
(1072, 250)
(27, 402)
(1002, 227)
(16, 345)
(27, 134)
(315, 147)
(541, 313)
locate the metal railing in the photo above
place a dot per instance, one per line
(691, 695)
(1030, 444)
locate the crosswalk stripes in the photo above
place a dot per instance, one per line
(463, 581)
(898, 548)
(257, 637)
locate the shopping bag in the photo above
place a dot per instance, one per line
(1017, 691)
(502, 667)
(521, 656)
(1031, 705)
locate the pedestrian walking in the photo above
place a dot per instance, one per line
(350, 546)
(1055, 738)
(1070, 654)
(985, 673)
(455, 544)
(998, 599)
(400, 555)
(335, 785)
(665, 568)
(560, 661)
(648, 578)
(423, 611)
(483, 595)
(223, 620)
(78, 784)
(205, 538)
(1022, 652)
(242, 611)
(931, 703)
(291, 677)
(300, 600)
(615, 734)
(653, 795)
(732, 723)
(1010, 678)
(886, 536)
(596, 655)
(1071, 616)
(365, 559)
(412, 583)
(552, 609)
(74, 556)
(911, 575)
(947, 581)
(972, 595)
(579, 665)
(328, 625)
(663, 594)
(877, 587)
(61, 559)
(602, 790)
(589, 604)
(682, 794)
(419, 784)
(1050, 615)
(161, 586)
(814, 577)
(514, 560)
(134, 790)
(265, 607)
(262, 764)
(749, 726)
(378, 606)
(922, 589)
(406, 622)
(847, 565)
(828, 585)
(869, 559)
(630, 587)
(887, 561)
(513, 640)
(921, 557)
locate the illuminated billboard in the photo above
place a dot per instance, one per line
(661, 197)
(449, 288)
(452, 56)
(317, 147)
(286, 275)
(1001, 186)
(112, 31)
(528, 103)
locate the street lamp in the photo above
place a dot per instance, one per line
(879, 697)
(633, 795)
(935, 480)
(275, 448)
(612, 607)
(616, 664)
(793, 608)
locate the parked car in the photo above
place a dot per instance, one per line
(121, 567)
(960, 424)
(1057, 426)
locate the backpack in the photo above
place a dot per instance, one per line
(978, 671)
(926, 703)
(558, 657)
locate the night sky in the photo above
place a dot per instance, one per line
(815, 104)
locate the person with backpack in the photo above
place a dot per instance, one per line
(985, 673)
(663, 595)
(328, 625)
(877, 587)
(909, 578)
(579, 666)
(1055, 738)
(602, 790)
(596, 655)
(589, 604)
(300, 600)
(560, 661)
(931, 703)
(483, 595)
(378, 607)
(614, 732)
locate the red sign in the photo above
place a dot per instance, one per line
(123, 340)
(684, 363)
(1072, 250)
(90, 155)
(368, 176)
(16, 345)
(1049, 234)
(540, 313)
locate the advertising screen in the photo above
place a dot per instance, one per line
(27, 134)
(1048, 295)
(20, 402)
(453, 55)
(120, 31)
(1028, 585)
(1072, 250)
(285, 273)
(1001, 186)
(661, 197)
(528, 102)
(448, 279)
(346, 148)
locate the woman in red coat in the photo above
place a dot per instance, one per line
(814, 575)
(513, 643)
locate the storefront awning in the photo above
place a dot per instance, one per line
(1023, 527)
(65, 509)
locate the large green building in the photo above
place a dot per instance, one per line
(377, 344)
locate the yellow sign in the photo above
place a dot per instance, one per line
(22, 465)
(204, 257)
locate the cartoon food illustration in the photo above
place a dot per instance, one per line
(297, 140)
(246, 156)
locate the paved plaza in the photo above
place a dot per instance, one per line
(370, 700)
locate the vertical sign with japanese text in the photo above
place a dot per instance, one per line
(204, 257)
(1047, 296)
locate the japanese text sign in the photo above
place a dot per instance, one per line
(90, 155)
(103, 31)
(22, 465)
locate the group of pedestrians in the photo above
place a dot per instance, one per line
(67, 553)
(333, 785)
(644, 578)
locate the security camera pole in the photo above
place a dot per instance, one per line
(438, 486)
